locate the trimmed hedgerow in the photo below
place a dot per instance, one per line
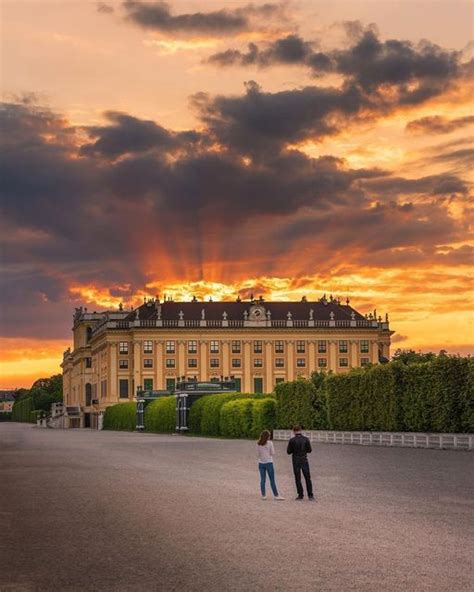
(246, 418)
(160, 415)
(23, 411)
(236, 418)
(120, 417)
(204, 415)
(302, 402)
(263, 415)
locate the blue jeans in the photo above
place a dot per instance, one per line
(265, 468)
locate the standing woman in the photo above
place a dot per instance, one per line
(265, 451)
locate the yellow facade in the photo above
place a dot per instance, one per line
(113, 356)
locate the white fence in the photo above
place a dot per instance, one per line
(403, 439)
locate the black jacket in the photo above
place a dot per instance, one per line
(299, 446)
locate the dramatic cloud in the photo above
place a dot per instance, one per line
(436, 124)
(393, 71)
(157, 16)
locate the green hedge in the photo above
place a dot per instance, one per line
(5, 416)
(236, 418)
(120, 417)
(23, 411)
(204, 416)
(263, 415)
(160, 415)
(430, 396)
(302, 402)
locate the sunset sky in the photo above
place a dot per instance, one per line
(216, 148)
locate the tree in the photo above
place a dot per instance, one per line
(410, 356)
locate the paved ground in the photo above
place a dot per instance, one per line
(108, 511)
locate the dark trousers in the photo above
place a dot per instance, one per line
(302, 466)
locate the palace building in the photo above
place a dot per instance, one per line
(254, 342)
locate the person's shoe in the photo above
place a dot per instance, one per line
(311, 498)
(279, 497)
(299, 498)
(264, 497)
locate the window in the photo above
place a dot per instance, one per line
(214, 362)
(214, 347)
(257, 347)
(170, 363)
(192, 363)
(279, 347)
(300, 347)
(88, 362)
(236, 347)
(123, 364)
(148, 347)
(238, 384)
(123, 388)
(322, 363)
(123, 347)
(148, 384)
(103, 389)
(192, 347)
(170, 384)
(258, 385)
(343, 347)
(364, 347)
(300, 362)
(279, 362)
(278, 380)
(148, 363)
(322, 347)
(236, 363)
(258, 363)
(343, 362)
(364, 361)
(88, 394)
(170, 347)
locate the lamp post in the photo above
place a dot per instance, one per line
(140, 425)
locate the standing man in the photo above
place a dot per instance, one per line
(299, 446)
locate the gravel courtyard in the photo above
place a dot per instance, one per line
(86, 510)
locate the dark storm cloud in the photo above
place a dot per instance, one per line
(417, 72)
(435, 185)
(127, 134)
(436, 124)
(157, 16)
(98, 211)
(260, 122)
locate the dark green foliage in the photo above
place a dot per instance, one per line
(410, 356)
(43, 393)
(302, 402)
(120, 417)
(23, 411)
(6, 416)
(263, 415)
(160, 415)
(420, 394)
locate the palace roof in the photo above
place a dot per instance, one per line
(323, 309)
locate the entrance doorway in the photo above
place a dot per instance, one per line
(258, 385)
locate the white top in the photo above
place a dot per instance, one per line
(266, 452)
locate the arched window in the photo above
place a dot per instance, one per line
(88, 394)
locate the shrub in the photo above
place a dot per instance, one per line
(120, 417)
(5, 416)
(236, 418)
(204, 416)
(295, 403)
(160, 415)
(263, 415)
(23, 411)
